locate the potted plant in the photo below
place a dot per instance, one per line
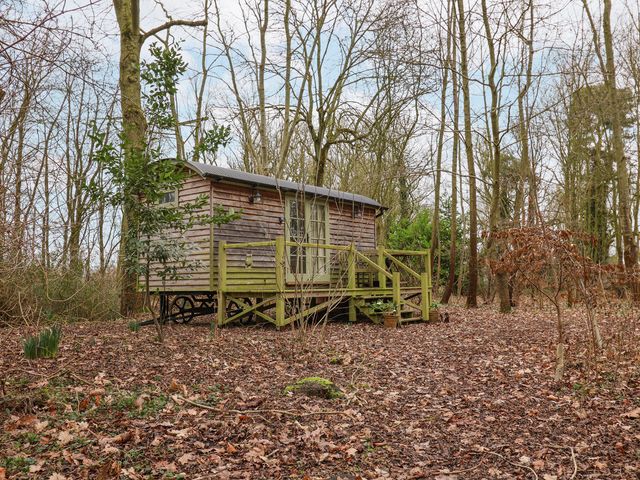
(388, 311)
(434, 312)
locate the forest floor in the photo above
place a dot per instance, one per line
(472, 398)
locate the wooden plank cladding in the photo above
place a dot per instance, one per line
(198, 239)
(347, 222)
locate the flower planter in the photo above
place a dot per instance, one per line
(434, 315)
(390, 320)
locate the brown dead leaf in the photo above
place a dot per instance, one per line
(176, 387)
(25, 421)
(635, 413)
(84, 404)
(123, 437)
(186, 458)
(3, 473)
(165, 465)
(109, 470)
(35, 468)
(601, 465)
(231, 449)
(40, 426)
(416, 473)
(57, 476)
(139, 403)
(65, 437)
(110, 449)
(184, 433)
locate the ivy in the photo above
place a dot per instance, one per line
(160, 77)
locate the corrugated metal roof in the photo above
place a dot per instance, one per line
(221, 173)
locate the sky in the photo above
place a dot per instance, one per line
(565, 15)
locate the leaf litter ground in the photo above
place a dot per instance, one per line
(472, 398)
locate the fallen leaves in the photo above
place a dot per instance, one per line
(467, 399)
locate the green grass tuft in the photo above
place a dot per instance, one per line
(315, 387)
(134, 326)
(44, 344)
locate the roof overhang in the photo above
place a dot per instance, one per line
(216, 173)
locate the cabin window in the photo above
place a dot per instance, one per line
(307, 224)
(168, 198)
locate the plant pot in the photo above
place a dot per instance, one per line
(434, 315)
(390, 320)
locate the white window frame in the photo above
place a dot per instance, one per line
(309, 275)
(174, 202)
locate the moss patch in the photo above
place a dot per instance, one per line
(315, 387)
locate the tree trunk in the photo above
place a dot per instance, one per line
(134, 127)
(630, 248)
(435, 224)
(496, 217)
(472, 294)
(454, 163)
(262, 168)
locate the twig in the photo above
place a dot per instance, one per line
(463, 470)
(59, 373)
(575, 464)
(80, 379)
(573, 459)
(515, 464)
(259, 411)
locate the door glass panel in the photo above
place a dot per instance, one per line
(297, 233)
(317, 234)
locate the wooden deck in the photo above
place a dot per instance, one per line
(351, 280)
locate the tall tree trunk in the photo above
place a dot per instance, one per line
(472, 294)
(435, 224)
(624, 210)
(199, 120)
(134, 127)
(526, 181)
(496, 216)
(264, 152)
(451, 33)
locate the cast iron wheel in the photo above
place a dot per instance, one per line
(233, 309)
(182, 309)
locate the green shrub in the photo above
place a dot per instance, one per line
(44, 344)
(382, 306)
(134, 326)
(56, 295)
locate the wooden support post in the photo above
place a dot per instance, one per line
(212, 259)
(382, 278)
(222, 283)
(427, 266)
(397, 298)
(426, 298)
(280, 280)
(351, 282)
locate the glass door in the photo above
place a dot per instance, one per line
(307, 222)
(296, 232)
(318, 258)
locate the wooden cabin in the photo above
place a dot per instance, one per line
(296, 250)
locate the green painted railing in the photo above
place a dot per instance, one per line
(279, 287)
